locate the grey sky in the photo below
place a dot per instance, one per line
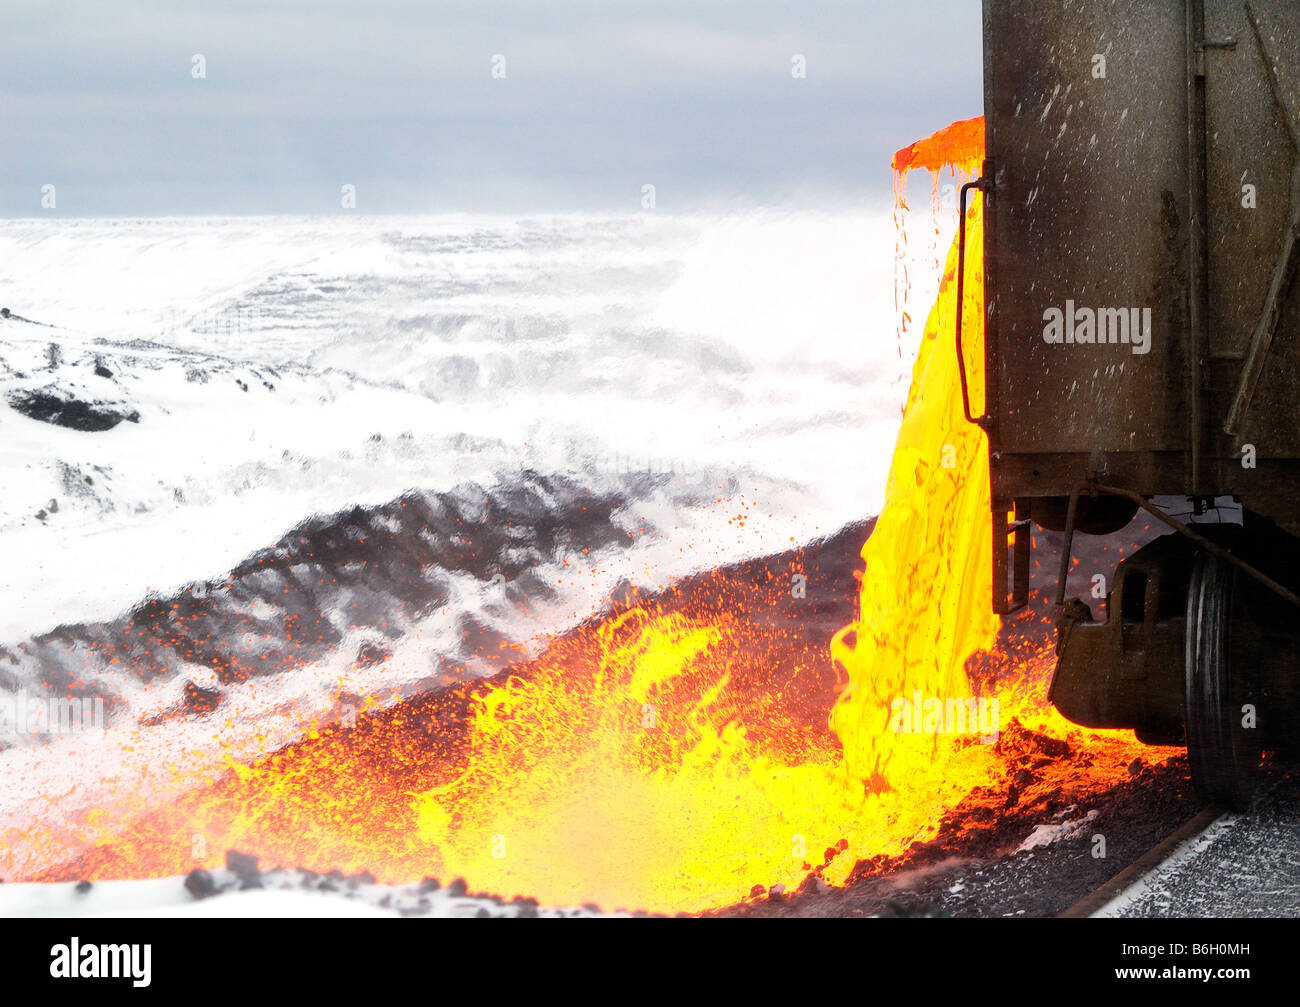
(397, 98)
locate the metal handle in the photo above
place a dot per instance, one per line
(981, 421)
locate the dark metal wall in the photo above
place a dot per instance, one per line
(1125, 191)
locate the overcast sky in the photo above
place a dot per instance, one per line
(398, 98)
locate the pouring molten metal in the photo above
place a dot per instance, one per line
(672, 757)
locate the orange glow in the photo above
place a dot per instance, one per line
(672, 758)
(958, 147)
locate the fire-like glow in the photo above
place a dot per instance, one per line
(665, 759)
(959, 148)
(924, 607)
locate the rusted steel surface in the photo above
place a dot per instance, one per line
(1142, 157)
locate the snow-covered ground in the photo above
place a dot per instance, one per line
(1239, 866)
(277, 894)
(235, 417)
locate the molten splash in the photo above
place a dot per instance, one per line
(664, 759)
(959, 148)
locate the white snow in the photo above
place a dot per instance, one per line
(283, 896)
(758, 343)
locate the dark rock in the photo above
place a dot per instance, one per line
(457, 888)
(196, 700)
(243, 866)
(625, 594)
(199, 883)
(82, 887)
(1018, 740)
(372, 653)
(812, 885)
(63, 409)
(428, 885)
(100, 370)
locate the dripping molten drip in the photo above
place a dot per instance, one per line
(654, 760)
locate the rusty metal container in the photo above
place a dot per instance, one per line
(1142, 330)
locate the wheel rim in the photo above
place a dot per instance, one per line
(1222, 752)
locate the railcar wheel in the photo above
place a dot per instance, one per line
(1221, 741)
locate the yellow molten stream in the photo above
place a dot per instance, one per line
(567, 799)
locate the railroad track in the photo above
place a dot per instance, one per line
(1171, 848)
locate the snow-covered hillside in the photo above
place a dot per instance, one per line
(261, 473)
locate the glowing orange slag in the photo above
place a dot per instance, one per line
(959, 148)
(636, 764)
